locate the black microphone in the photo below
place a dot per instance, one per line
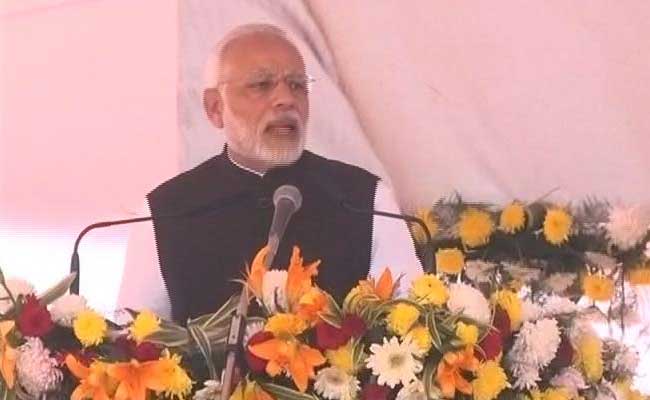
(334, 192)
(287, 200)
(75, 263)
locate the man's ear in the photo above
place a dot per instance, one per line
(213, 106)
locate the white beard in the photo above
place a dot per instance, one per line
(262, 146)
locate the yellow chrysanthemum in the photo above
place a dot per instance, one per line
(557, 226)
(176, 381)
(89, 327)
(341, 357)
(551, 394)
(402, 317)
(285, 324)
(475, 227)
(428, 289)
(145, 324)
(421, 336)
(640, 276)
(430, 221)
(624, 387)
(490, 380)
(511, 304)
(467, 333)
(513, 218)
(449, 261)
(590, 358)
(598, 287)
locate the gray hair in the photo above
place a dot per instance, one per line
(213, 62)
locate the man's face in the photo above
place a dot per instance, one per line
(264, 98)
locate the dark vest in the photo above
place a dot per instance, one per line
(227, 212)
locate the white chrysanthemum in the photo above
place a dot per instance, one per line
(274, 292)
(335, 384)
(470, 301)
(412, 391)
(522, 274)
(37, 371)
(16, 288)
(627, 226)
(535, 347)
(211, 390)
(251, 329)
(559, 282)
(479, 271)
(526, 375)
(65, 309)
(394, 362)
(620, 359)
(570, 379)
(530, 311)
(557, 305)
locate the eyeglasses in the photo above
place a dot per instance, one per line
(263, 84)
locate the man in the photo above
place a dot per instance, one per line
(257, 91)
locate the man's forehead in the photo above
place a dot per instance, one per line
(262, 54)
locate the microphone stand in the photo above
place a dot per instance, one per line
(74, 262)
(428, 261)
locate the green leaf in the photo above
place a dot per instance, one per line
(285, 393)
(435, 335)
(57, 290)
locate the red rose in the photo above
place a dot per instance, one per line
(146, 351)
(564, 356)
(373, 391)
(256, 364)
(34, 319)
(502, 322)
(492, 346)
(353, 326)
(329, 337)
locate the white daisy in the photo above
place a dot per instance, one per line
(335, 384)
(394, 362)
(627, 226)
(274, 293)
(66, 308)
(412, 391)
(36, 370)
(211, 390)
(470, 301)
(570, 379)
(559, 282)
(479, 271)
(557, 305)
(16, 287)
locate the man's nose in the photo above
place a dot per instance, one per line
(283, 97)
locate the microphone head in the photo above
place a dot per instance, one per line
(288, 192)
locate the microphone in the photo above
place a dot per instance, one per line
(287, 200)
(75, 263)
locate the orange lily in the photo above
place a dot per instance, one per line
(247, 390)
(383, 288)
(135, 378)
(255, 275)
(311, 305)
(289, 355)
(8, 355)
(449, 375)
(94, 381)
(299, 277)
